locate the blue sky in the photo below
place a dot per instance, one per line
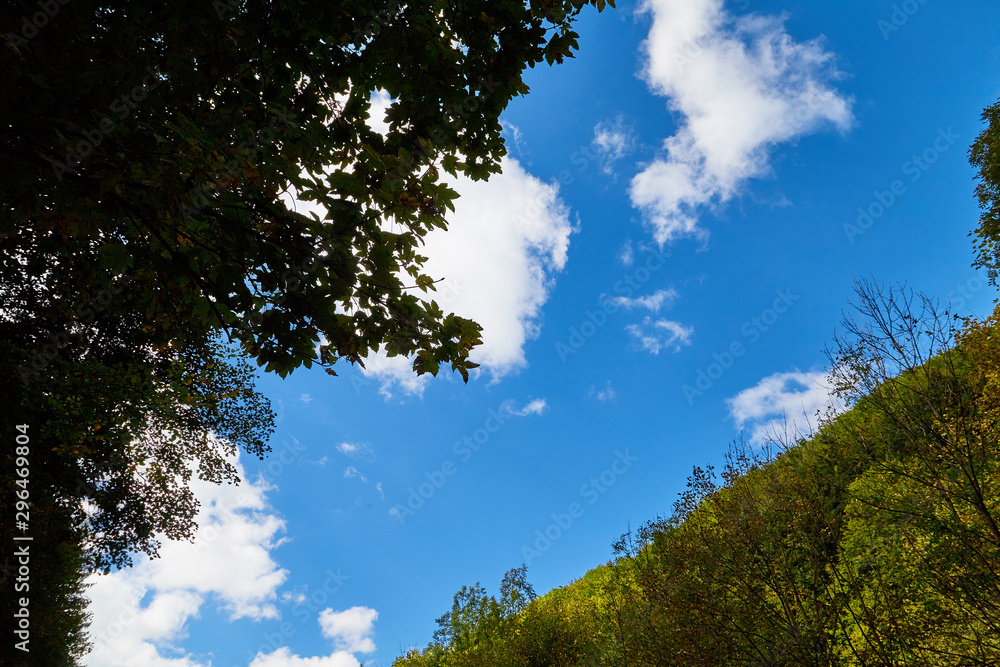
(680, 203)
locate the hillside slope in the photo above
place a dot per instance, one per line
(875, 541)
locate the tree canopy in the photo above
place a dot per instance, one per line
(154, 142)
(985, 156)
(151, 158)
(147, 149)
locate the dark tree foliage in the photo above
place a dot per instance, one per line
(153, 141)
(53, 587)
(147, 251)
(144, 151)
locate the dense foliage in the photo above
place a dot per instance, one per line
(146, 150)
(149, 250)
(985, 156)
(872, 542)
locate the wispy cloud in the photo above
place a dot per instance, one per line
(613, 141)
(606, 395)
(626, 255)
(655, 335)
(357, 450)
(652, 302)
(534, 407)
(351, 471)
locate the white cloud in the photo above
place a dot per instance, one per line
(283, 657)
(297, 598)
(613, 141)
(393, 372)
(305, 398)
(140, 614)
(740, 86)
(505, 241)
(783, 403)
(495, 263)
(349, 629)
(380, 103)
(655, 335)
(652, 302)
(512, 133)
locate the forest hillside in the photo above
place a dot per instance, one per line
(873, 541)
